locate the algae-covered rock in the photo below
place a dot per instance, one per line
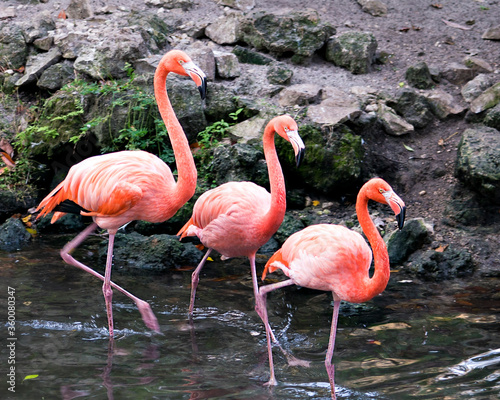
(352, 50)
(402, 243)
(152, 253)
(333, 159)
(298, 32)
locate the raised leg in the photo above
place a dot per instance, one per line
(144, 308)
(195, 278)
(330, 368)
(261, 308)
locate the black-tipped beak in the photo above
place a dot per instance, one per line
(203, 88)
(400, 218)
(300, 156)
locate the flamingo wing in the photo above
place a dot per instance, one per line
(227, 218)
(324, 257)
(108, 185)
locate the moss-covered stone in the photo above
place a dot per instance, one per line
(352, 50)
(333, 159)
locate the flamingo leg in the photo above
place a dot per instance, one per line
(253, 269)
(144, 308)
(330, 368)
(106, 287)
(195, 278)
(261, 308)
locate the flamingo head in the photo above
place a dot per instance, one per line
(180, 63)
(287, 128)
(379, 190)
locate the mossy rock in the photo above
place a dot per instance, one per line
(333, 159)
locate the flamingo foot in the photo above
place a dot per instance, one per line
(297, 362)
(148, 316)
(272, 382)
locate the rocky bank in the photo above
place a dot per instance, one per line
(405, 90)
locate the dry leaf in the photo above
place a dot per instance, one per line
(315, 203)
(440, 249)
(455, 25)
(440, 142)
(437, 5)
(377, 342)
(390, 325)
(62, 15)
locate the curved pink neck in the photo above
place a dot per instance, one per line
(276, 213)
(378, 282)
(187, 174)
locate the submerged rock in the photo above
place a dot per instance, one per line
(441, 265)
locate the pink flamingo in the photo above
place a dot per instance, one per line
(120, 187)
(237, 218)
(336, 259)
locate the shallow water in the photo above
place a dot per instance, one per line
(414, 341)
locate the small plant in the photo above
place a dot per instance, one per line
(211, 135)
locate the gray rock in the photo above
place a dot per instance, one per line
(13, 48)
(37, 64)
(489, 98)
(492, 33)
(337, 108)
(225, 30)
(444, 104)
(38, 27)
(279, 73)
(458, 74)
(220, 102)
(392, 123)
(448, 264)
(373, 7)
(298, 32)
(66, 224)
(302, 94)
(248, 131)
(492, 117)
(56, 76)
(288, 227)
(7, 12)
(44, 43)
(477, 161)
(227, 65)
(13, 235)
(352, 50)
(204, 58)
(151, 253)
(478, 64)
(79, 9)
(248, 56)
(414, 107)
(170, 4)
(239, 162)
(401, 243)
(476, 86)
(419, 76)
(244, 5)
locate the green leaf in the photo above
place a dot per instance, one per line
(30, 377)
(408, 147)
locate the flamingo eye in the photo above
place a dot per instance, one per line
(181, 62)
(381, 191)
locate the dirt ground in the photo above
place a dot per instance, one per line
(412, 31)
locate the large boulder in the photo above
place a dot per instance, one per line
(477, 161)
(402, 243)
(354, 51)
(298, 32)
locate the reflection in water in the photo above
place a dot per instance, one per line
(390, 349)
